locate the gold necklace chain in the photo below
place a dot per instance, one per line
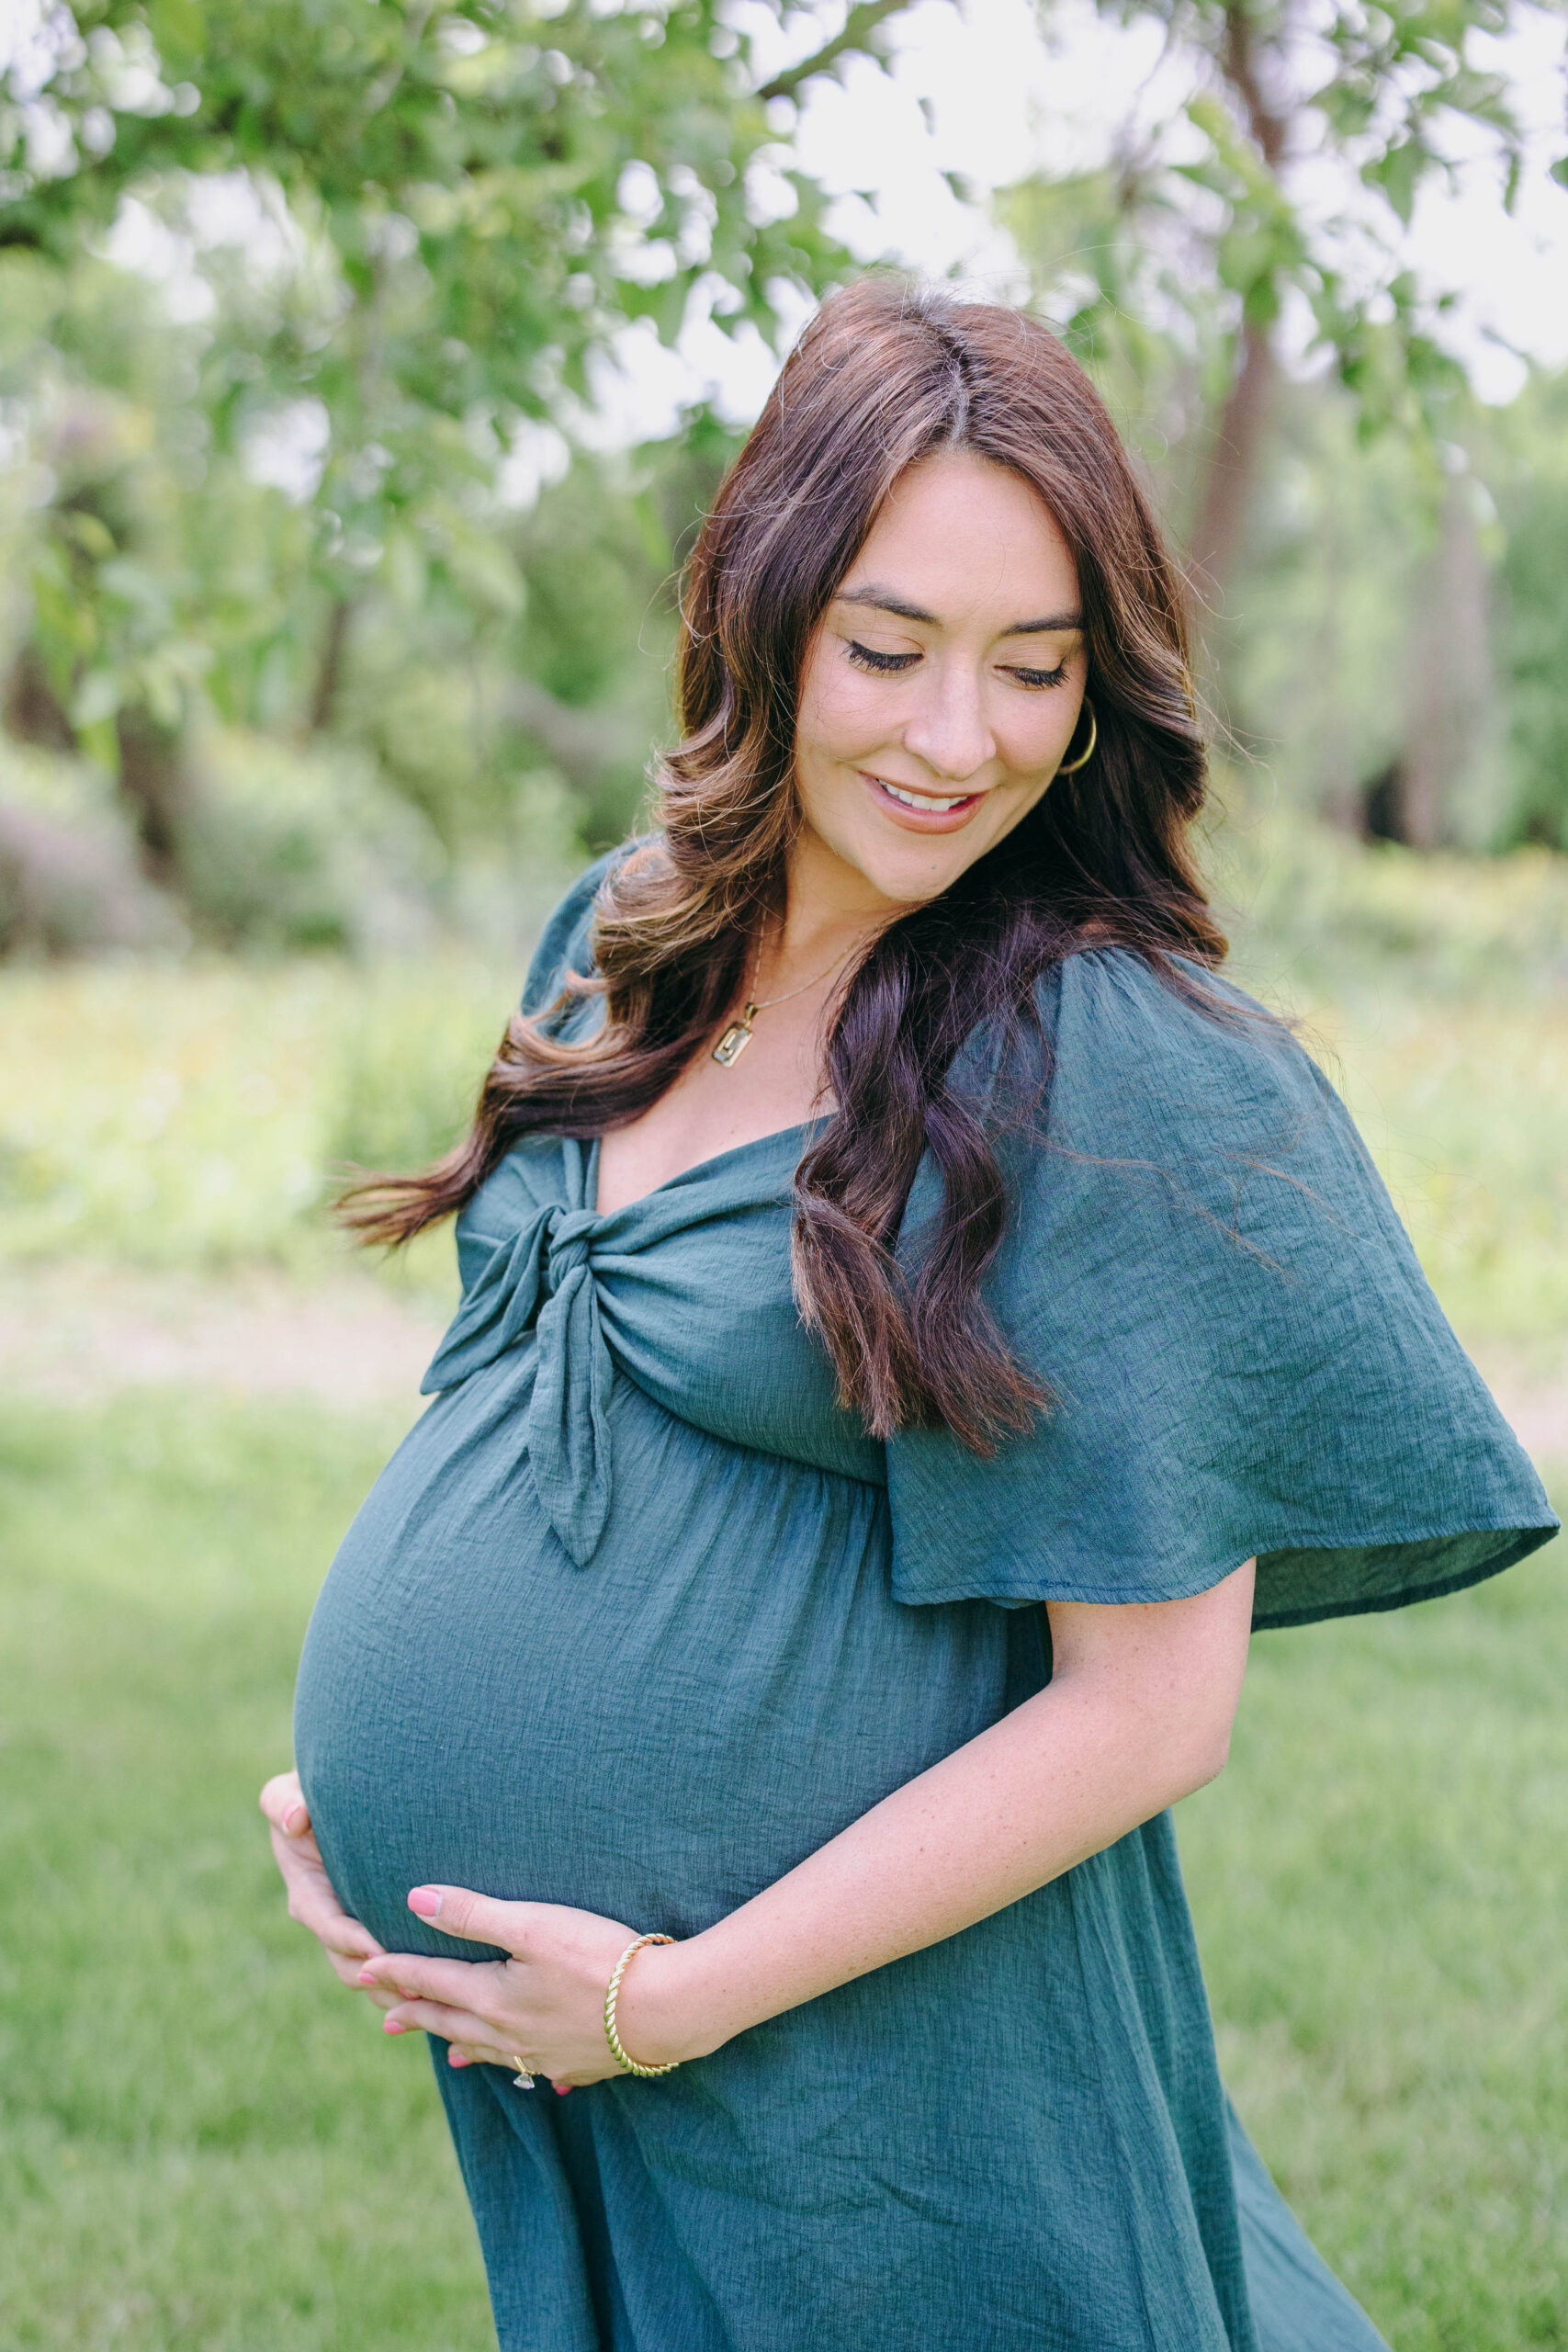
(768, 1002)
(738, 1036)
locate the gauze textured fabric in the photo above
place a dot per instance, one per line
(638, 1617)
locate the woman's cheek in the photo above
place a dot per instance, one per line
(841, 724)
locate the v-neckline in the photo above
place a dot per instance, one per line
(682, 1175)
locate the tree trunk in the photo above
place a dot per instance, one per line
(1238, 443)
(156, 782)
(329, 677)
(1451, 676)
(1233, 459)
(32, 710)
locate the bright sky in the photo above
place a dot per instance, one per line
(983, 94)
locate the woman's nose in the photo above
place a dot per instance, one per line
(947, 730)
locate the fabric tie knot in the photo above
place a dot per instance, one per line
(540, 1280)
(569, 1245)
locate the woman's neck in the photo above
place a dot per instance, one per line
(830, 907)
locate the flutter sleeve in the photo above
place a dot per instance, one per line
(1244, 1356)
(566, 943)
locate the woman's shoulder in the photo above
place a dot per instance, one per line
(566, 943)
(1134, 1043)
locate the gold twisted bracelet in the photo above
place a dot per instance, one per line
(612, 1995)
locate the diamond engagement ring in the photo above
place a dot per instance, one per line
(522, 2080)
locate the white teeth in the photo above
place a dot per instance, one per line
(923, 801)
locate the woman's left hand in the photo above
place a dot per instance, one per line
(545, 2005)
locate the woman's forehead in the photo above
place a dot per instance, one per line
(957, 533)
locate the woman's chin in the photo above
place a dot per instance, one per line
(904, 871)
(913, 880)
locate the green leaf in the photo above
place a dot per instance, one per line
(1398, 173)
(403, 567)
(87, 532)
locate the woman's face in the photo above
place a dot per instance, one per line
(942, 687)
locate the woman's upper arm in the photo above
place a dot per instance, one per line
(1177, 1666)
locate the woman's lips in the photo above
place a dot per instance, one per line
(944, 814)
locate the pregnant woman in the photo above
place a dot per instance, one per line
(916, 1320)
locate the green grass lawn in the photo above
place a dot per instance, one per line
(205, 2143)
(1380, 1885)
(208, 2144)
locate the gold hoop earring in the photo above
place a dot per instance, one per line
(1071, 767)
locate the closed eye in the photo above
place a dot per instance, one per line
(867, 658)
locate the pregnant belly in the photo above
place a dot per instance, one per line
(656, 1735)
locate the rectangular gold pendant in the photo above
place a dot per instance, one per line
(733, 1044)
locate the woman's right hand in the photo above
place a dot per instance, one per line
(311, 1897)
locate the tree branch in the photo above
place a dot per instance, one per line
(581, 744)
(861, 22)
(1239, 61)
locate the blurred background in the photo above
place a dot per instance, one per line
(365, 368)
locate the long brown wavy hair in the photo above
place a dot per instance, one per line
(884, 375)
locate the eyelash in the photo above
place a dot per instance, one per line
(865, 657)
(882, 663)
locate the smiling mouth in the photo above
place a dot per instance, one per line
(930, 810)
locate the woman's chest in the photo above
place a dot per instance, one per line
(753, 1089)
(686, 1290)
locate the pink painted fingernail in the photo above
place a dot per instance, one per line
(425, 1900)
(391, 2026)
(562, 2090)
(455, 2058)
(367, 1978)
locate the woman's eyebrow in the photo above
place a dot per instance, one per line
(1037, 628)
(882, 600)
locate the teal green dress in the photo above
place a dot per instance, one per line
(638, 1617)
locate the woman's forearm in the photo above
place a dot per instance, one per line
(1123, 1731)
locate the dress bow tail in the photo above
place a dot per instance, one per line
(568, 1430)
(498, 1309)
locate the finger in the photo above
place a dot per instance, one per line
(458, 1983)
(478, 1919)
(347, 1941)
(348, 1973)
(461, 2026)
(283, 1802)
(313, 1904)
(472, 2054)
(379, 2000)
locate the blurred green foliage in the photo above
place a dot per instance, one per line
(312, 542)
(170, 1116)
(295, 302)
